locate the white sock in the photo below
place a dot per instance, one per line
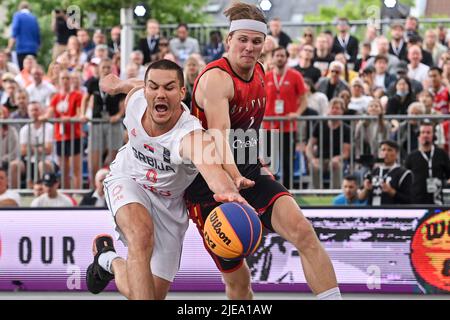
(105, 260)
(332, 294)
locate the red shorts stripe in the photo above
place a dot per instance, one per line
(274, 198)
(196, 217)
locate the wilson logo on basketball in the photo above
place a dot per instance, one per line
(430, 252)
(216, 224)
(149, 148)
(232, 231)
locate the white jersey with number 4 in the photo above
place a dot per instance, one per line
(150, 171)
(155, 162)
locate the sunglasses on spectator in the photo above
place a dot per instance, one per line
(335, 71)
(307, 35)
(163, 44)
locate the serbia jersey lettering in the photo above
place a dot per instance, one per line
(246, 113)
(155, 162)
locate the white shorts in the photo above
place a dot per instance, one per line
(169, 217)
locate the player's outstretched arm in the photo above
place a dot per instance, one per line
(199, 148)
(113, 85)
(215, 89)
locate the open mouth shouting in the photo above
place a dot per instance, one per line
(161, 108)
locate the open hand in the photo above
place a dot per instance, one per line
(110, 84)
(230, 197)
(243, 183)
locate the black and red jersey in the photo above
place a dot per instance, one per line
(246, 113)
(249, 101)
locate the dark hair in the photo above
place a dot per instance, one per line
(408, 82)
(415, 39)
(427, 123)
(310, 83)
(351, 177)
(413, 18)
(165, 64)
(435, 68)
(368, 69)
(342, 19)
(215, 33)
(280, 48)
(182, 25)
(4, 167)
(381, 57)
(390, 143)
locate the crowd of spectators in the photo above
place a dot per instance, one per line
(405, 71)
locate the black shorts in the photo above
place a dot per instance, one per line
(261, 197)
(66, 151)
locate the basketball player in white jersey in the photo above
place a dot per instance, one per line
(145, 188)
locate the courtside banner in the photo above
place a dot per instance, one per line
(372, 250)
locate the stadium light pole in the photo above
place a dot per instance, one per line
(126, 37)
(265, 5)
(390, 3)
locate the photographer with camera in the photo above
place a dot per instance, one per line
(431, 168)
(388, 183)
(63, 29)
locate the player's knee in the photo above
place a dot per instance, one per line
(137, 227)
(238, 284)
(142, 241)
(303, 235)
(238, 287)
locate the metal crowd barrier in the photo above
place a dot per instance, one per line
(359, 161)
(301, 180)
(22, 181)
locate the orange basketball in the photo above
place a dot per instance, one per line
(232, 231)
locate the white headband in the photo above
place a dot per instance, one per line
(248, 24)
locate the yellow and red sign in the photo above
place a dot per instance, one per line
(430, 251)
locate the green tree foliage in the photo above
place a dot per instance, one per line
(369, 10)
(108, 11)
(352, 9)
(107, 15)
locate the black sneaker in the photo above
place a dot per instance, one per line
(96, 277)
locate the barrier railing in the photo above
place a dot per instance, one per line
(363, 133)
(75, 158)
(355, 146)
